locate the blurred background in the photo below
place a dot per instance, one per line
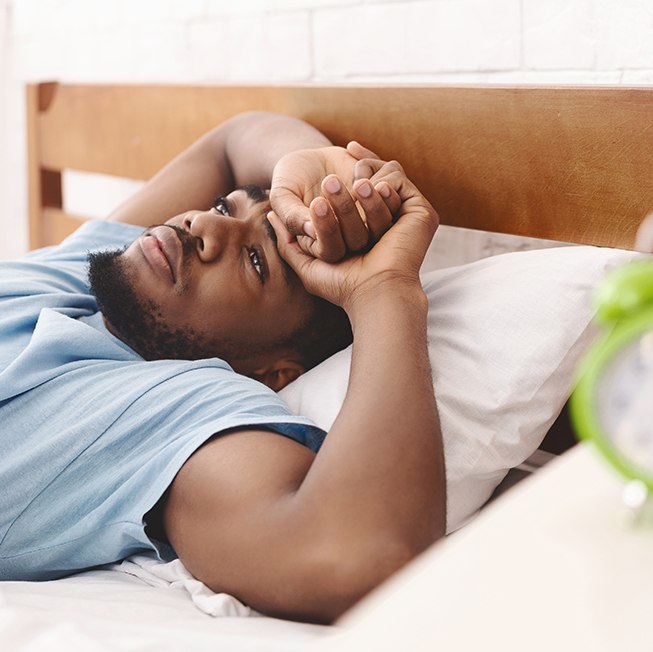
(503, 42)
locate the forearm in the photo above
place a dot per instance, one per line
(380, 471)
(240, 151)
(257, 141)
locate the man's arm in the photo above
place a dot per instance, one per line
(240, 151)
(304, 536)
(246, 150)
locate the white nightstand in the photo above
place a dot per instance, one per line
(555, 564)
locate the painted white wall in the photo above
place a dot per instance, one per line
(450, 41)
(5, 231)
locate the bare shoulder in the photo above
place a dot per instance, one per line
(229, 511)
(238, 467)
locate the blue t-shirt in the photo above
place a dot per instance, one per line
(91, 435)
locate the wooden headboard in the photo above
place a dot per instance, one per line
(570, 164)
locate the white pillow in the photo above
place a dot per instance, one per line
(505, 336)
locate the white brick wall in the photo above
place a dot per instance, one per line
(449, 41)
(408, 38)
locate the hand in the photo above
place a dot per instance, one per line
(396, 258)
(323, 200)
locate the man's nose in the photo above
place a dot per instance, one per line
(214, 233)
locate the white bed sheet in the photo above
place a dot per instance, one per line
(113, 609)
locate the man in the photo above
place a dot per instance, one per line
(128, 426)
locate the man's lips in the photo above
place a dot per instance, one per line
(163, 251)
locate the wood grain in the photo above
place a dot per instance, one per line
(570, 164)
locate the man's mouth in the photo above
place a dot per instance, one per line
(163, 251)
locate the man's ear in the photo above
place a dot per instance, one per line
(280, 373)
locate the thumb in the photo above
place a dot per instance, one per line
(359, 151)
(288, 247)
(314, 274)
(290, 209)
(367, 164)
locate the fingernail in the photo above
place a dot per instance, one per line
(364, 190)
(383, 190)
(309, 229)
(320, 208)
(332, 185)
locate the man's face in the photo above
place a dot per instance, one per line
(206, 283)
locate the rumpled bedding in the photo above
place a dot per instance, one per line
(139, 604)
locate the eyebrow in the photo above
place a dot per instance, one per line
(254, 192)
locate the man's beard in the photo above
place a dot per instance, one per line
(138, 321)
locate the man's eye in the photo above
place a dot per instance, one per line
(221, 206)
(257, 264)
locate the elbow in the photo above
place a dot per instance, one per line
(335, 579)
(352, 579)
(339, 568)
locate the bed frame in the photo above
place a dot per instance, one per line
(569, 164)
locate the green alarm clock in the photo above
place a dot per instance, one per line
(612, 404)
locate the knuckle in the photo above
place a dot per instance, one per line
(292, 224)
(305, 244)
(363, 169)
(345, 207)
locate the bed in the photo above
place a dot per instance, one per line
(570, 165)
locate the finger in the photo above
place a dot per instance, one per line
(352, 227)
(290, 208)
(377, 214)
(366, 168)
(309, 269)
(389, 195)
(329, 244)
(388, 180)
(308, 245)
(416, 212)
(287, 244)
(359, 151)
(414, 207)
